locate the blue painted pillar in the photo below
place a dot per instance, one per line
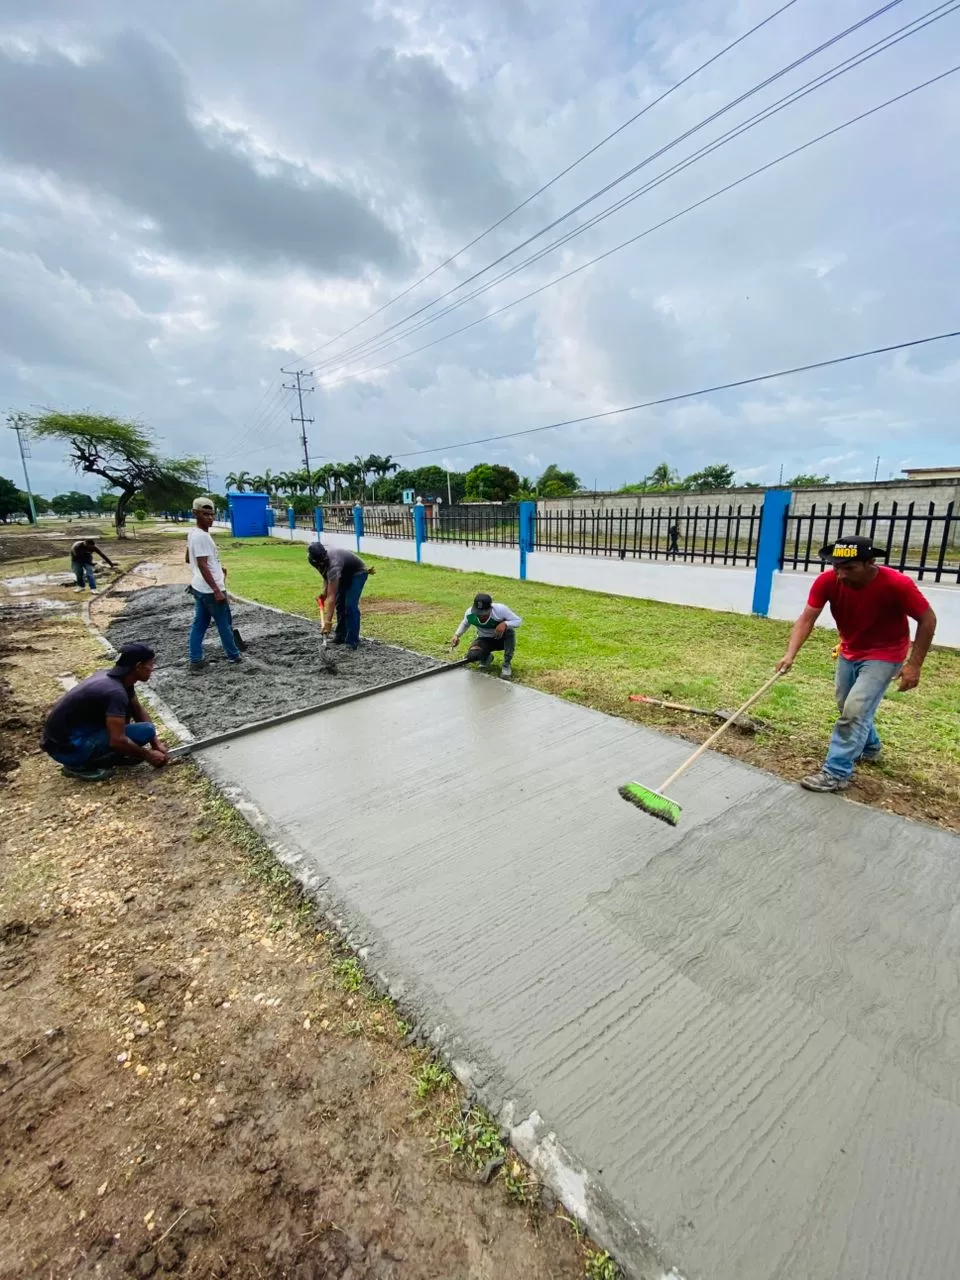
(776, 503)
(419, 527)
(527, 534)
(291, 518)
(318, 519)
(358, 523)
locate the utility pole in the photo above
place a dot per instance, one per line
(876, 470)
(449, 499)
(299, 388)
(780, 481)
(24, 455)
(206, 471)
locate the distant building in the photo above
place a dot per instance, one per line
(932, 473)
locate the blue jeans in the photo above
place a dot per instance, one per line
(89, 747)
(208, 610)
(860, 690)
(348, 611)
(81, 571)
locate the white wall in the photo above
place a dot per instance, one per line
(790, 591)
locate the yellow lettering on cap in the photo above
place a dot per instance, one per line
(844, 553)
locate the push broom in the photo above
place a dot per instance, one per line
(657, 803)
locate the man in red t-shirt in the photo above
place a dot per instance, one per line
(870, 605)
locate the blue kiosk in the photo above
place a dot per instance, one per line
(249, 514)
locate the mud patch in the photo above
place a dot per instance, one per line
(281, 670)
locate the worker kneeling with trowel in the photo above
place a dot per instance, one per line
(496, 629)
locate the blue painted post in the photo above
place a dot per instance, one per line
(528, 511)
(318, 520)
(419, 527)
(358, 523)
(776, 503)
(291, 518)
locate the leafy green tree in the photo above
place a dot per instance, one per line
(717, 476)
(662, 476)
(122, 454)
(11, 500)
(73, 504)
(491, 483)
(238, 481)
(804, 481)
(555, 483)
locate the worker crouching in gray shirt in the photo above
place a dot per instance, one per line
(496, 630)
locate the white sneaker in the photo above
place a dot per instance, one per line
(507, 672)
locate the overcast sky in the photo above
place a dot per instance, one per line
(194, 194)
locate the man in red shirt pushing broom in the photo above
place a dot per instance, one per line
(870, 605)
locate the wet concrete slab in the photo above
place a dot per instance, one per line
(734, 1045)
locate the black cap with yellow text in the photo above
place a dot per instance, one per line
(851, 547)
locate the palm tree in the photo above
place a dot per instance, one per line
(381, 467)
(269, 482)
(338, 476)
(321, 480)
(238, 481)
(258, 484)
(662, 477)
(354, 477)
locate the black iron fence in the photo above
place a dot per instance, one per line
(704, 535)
(387, 522)
(488, 526)
(924, 543)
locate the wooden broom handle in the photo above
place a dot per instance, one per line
(705, 746)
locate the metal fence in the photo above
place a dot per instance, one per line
(708, 535)
(923, 543)
(493, 526)
(384, 522)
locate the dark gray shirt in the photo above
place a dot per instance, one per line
(85, 707)
(343, 567)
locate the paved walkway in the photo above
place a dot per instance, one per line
(735, 1044)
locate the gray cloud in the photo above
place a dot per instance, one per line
(120, 125)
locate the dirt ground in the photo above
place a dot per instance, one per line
(195, 1079)
(282, 669)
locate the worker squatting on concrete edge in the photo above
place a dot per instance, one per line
(344, 577)
(81, 562)
(100, 723)
(870, 604)
(208, 586)
(496, 626)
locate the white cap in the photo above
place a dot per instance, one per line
(204, 504)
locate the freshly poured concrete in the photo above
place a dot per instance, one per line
(739, 1039)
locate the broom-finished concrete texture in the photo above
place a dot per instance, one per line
(734, 1045)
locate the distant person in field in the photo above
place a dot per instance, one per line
(81, 562)
(496, 630)
(673, 545)
(871, 605)
(209, 588)
(100, 723)
(344, 577)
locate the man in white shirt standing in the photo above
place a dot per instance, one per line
(209, 587)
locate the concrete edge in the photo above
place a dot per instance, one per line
(556, 1168)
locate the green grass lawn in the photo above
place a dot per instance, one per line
(597, 649)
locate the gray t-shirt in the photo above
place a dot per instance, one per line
(85, 707)
(343, 567)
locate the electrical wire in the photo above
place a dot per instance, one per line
(749, 93)
(556, 177)
(649, 230)
(690, 395)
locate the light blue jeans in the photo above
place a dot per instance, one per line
(860, 690)
(90, 747)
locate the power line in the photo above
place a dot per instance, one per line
(786, 155)
(690, 395)
(749, 93)
(556, 177)
(300, 374)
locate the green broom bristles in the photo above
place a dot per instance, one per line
(652, 802)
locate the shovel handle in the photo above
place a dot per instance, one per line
(705, 746)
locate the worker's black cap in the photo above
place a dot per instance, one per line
(483, 602)
(131, 655)
(850, 547)
(317, 553)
